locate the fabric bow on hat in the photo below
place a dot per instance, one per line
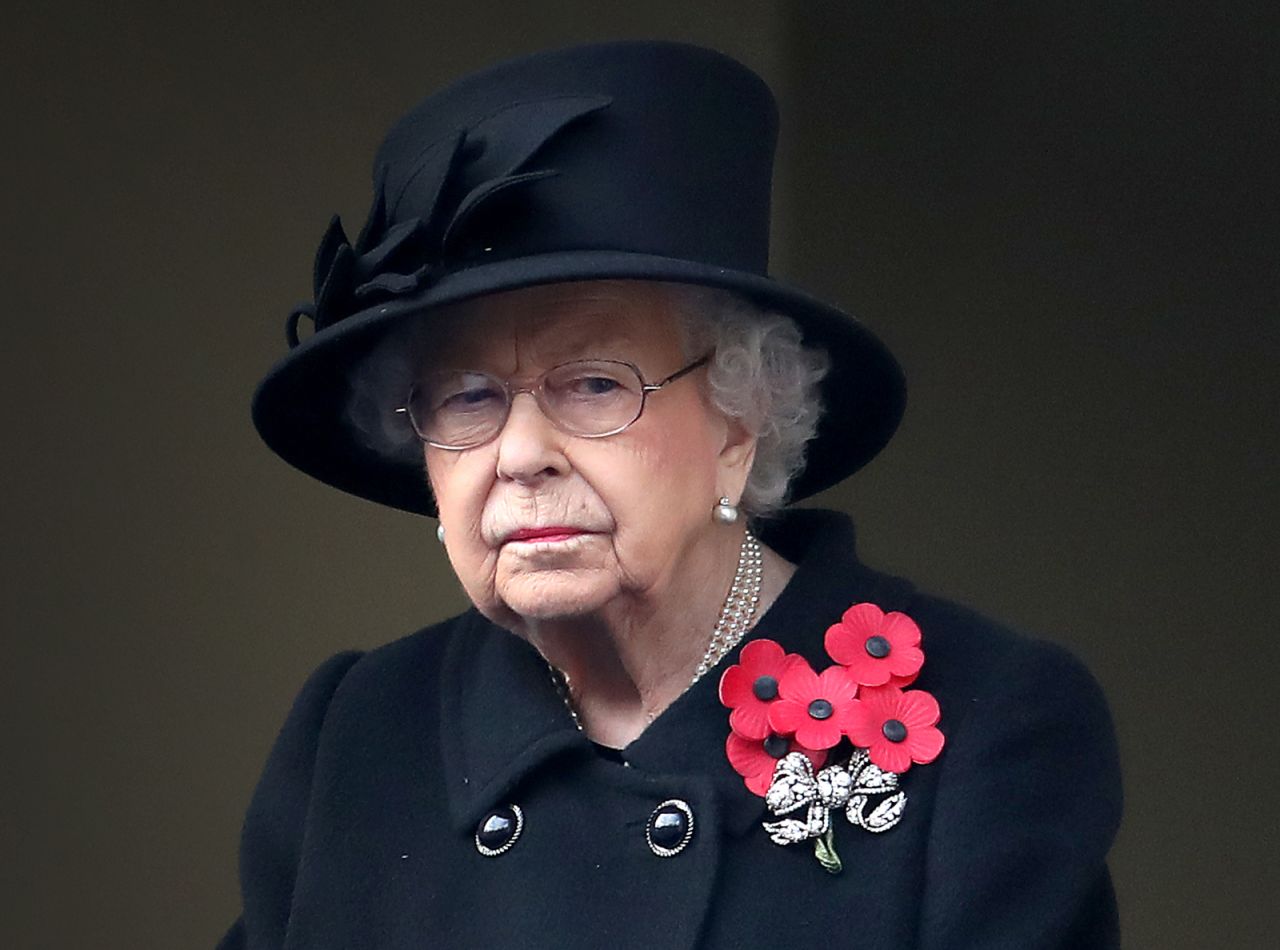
(409, 240)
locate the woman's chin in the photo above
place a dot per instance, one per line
(554, 595)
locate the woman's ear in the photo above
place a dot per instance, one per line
(737, 453)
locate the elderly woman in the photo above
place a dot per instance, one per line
(679, 715)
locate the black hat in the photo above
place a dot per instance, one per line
(629, 160)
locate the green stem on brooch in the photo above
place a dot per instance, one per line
(824, 849)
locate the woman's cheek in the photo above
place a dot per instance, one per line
(460, 502)
(476, 571)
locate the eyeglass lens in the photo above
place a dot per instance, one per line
(463, 408)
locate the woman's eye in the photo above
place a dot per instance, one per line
(596, 385)
(468, 400)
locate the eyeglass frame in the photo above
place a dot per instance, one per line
(536, 392)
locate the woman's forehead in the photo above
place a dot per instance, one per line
(558, 322)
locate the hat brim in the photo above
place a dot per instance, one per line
(299, 408)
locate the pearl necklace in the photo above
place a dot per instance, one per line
(736, 617)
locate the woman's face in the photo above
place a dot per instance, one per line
(628, 512)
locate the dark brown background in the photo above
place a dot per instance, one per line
(1054, 213)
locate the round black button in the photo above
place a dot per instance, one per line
(894, 730)
(776, 746)
(878, 647)
(765, 688)
(670, 827)
(820, 709)
(499, 830)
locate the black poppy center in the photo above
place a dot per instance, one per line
(878, 647)
(820, 709)
(776, 746)
(765, 688)
(894, 730)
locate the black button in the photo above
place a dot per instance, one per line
(878, 647)
(670, 827)
(499, 830)
(820, 709)
(765, 688)
(894, 730)
(776, 746)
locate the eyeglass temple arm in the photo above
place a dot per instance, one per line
(654, 387)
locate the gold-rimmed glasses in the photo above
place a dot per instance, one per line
(592, 399)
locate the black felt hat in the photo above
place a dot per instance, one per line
(632, 160)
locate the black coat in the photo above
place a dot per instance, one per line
(361, 833)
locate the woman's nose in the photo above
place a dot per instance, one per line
(530, 447)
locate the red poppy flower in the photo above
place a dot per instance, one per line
(876, 647)
(750, 686)
(896, 727)
(755, 759)
(813, 708)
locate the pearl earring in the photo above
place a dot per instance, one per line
(440, 533)
(725, 511)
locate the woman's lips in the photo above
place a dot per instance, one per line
(548, 534)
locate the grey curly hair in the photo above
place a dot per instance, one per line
(761, 374)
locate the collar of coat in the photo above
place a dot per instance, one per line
(502, 717)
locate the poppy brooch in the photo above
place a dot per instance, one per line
(787, 721)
